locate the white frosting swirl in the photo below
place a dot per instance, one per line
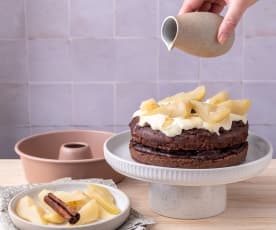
(178, 124)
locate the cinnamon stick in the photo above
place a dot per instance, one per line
(62, 209)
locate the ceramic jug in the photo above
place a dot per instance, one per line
(195, 33)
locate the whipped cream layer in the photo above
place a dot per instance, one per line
(175, 128)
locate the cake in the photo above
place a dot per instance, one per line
(186, 131)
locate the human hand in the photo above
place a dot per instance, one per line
(236, 8)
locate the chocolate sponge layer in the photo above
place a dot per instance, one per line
(192, 139)
(189, 159)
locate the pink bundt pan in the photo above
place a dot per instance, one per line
(74, 153)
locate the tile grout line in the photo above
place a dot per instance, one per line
(114, 18)
(102, 38)
(199, 80)
(140, 81)
(115, 89)
(157, 32)
(243, 58)
(125, 82)
(82, 82)
(50, 82)
(72, 103)
(69, 7)
(69, 18)
(12, 39)
(27, 63)
(114, 81)
(158, 52)
(105, 38)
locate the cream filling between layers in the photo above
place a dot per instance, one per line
(175, 128)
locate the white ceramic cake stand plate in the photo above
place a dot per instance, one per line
(187, 193)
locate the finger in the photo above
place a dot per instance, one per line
(190, 6)
(230, 21)
(251, 2)
(206, 6)
(216, 8)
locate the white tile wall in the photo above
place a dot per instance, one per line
(14, 104)
(259, 60)
(93, 59)
(93, 104)
(9, 135)
(136, 59)
(259, 20)
(51, 104)
(12, 20)
(166, 88)
(136, 18)
(89, 18)
(47, 18)
(49, 60)
(177, 65)
(263, 96)
(228, 67)
(87, 64)
(128, 97)
(13, 61)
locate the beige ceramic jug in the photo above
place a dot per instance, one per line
(195, 33)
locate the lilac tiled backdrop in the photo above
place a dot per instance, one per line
(87, 64)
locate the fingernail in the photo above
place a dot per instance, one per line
(222, 38)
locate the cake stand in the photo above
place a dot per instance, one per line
(187, 193)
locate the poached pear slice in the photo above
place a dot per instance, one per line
(27, 209)
(197, 94)
(240, 107)
(218, 98)
(103, 197)
(89, 212)
(210, 113)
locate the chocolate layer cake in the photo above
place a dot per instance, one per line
(182, 139)
(187, 149)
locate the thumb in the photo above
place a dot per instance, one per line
(230, 21)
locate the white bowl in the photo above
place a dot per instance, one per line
(121, 200)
